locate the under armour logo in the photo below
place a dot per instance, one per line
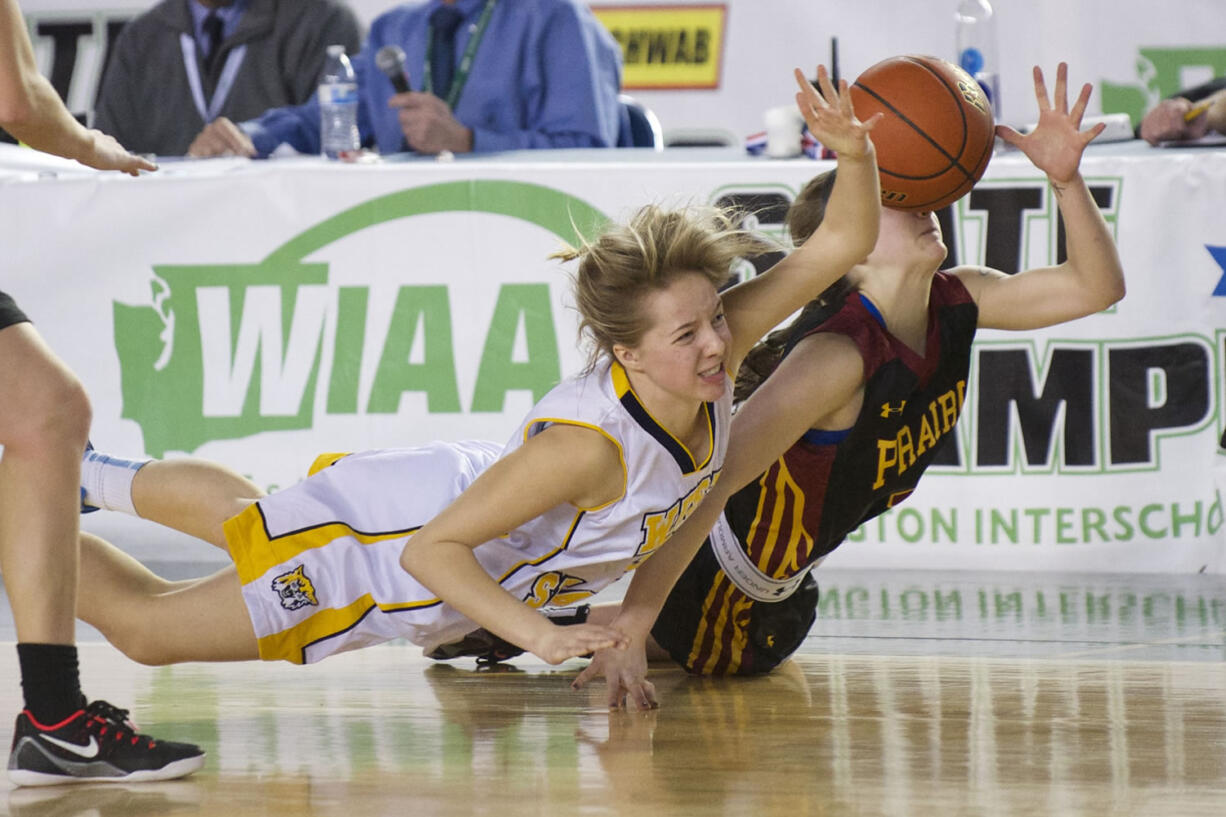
(888, 410)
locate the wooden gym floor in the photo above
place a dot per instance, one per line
(915, 694)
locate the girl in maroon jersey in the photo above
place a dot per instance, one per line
(841, 414)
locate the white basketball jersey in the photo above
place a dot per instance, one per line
(320, 561)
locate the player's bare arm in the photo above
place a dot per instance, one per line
(845, 237)
(563, 464)
(1092, 278)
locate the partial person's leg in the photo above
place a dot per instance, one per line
(193, 496)
(44, 425)
(156, 621)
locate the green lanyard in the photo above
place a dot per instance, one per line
(466, 61)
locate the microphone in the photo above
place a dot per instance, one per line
(390, 60)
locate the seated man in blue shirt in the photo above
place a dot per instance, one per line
(525, 74)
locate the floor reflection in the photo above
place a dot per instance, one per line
(914, 695)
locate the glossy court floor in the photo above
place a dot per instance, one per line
(915, 694)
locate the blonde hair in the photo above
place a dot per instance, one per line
(655, 247)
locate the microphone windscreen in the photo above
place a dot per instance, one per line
(390, 60)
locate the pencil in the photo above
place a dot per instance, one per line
(1198, 109)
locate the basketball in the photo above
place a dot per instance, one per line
(937, 134)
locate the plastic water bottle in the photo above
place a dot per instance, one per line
(338, 105)
(975, 36)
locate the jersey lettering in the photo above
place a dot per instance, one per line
(555, 588)
(659, 525)
(900, 453)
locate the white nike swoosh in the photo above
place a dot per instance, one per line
(89, 750)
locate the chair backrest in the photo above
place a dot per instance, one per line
(639, 126)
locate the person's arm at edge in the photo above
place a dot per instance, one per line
(31, 110)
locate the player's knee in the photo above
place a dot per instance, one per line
(58, 415)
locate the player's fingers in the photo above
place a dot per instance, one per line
(643, 695)
(802, 81)
(1008, 134)
(830, 94)
(1087, 136)
(1079, 107)
(1040, 90)
(135, 164)
(871, 122)
(1061, 97)
(589, 672)
(807, 98)
(615, 695)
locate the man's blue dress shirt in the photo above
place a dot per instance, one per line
(545, 75)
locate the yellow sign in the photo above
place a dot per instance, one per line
(667, 47)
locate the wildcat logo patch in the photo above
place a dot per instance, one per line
(295, 590)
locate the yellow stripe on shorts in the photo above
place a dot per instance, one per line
(291, 643)
(254, 553)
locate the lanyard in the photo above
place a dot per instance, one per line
(224, 83)
(466, 61)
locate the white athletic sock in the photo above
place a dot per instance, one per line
(107, 481)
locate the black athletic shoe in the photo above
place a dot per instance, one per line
(490, 649)
(98, 744)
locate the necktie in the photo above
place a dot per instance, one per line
(212, 32)
(443, 23)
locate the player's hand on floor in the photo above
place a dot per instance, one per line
(625, 674)
(556, 644)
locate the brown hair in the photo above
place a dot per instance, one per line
(803, 218)
(628, 261)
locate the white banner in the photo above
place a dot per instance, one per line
(259, 313)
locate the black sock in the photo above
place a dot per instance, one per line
(50, 681)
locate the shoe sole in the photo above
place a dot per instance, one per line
(179, 768)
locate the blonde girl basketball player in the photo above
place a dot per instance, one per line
(428, 543)
(884, 354)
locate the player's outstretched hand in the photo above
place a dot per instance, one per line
(556, 644)
(830, 116)
(625, 674)
(1057, 142)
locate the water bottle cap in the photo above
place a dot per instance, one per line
(971, 60)
(336, 50)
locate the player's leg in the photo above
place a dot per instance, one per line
(193, 496)
(155, 621)
(190, 495)
(44, 422)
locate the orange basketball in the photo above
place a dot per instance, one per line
(937, 134)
